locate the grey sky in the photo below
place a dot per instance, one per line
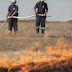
(60, 10)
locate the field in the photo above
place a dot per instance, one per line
(27, 51)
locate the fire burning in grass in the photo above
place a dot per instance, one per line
(54, 58)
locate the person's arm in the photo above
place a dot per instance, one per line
(36, 6)
(35, 11)
(46, 10)
(7, 15)
(13, 14)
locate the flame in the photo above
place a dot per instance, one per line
(54, 58)
(47, 35)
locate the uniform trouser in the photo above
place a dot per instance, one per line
(13, 23)
(40, 20)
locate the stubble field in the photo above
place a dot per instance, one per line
(27, 51)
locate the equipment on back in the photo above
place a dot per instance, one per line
(13, 1)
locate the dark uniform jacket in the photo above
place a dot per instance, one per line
(12, 9)
(41, 7)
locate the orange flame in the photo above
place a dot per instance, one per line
(54, 58)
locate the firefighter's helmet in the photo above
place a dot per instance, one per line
(13, 1)
(42, 0)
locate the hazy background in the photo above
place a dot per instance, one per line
(60, 10)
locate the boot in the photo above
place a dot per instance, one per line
(37, 30)
(42, 31)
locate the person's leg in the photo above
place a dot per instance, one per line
(37, 24)
(43, 19)
(10, 23)
(15, 25)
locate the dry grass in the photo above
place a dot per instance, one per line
(14, 46)
(26, 36)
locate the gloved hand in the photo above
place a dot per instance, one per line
(45, 13)
(36, 14)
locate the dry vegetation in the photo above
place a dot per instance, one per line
(28, 52)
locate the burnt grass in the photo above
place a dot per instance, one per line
(62, 66)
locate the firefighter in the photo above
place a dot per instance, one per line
(40, 10)
(12, 11)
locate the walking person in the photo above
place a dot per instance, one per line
(12, 11)
(41, 13)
